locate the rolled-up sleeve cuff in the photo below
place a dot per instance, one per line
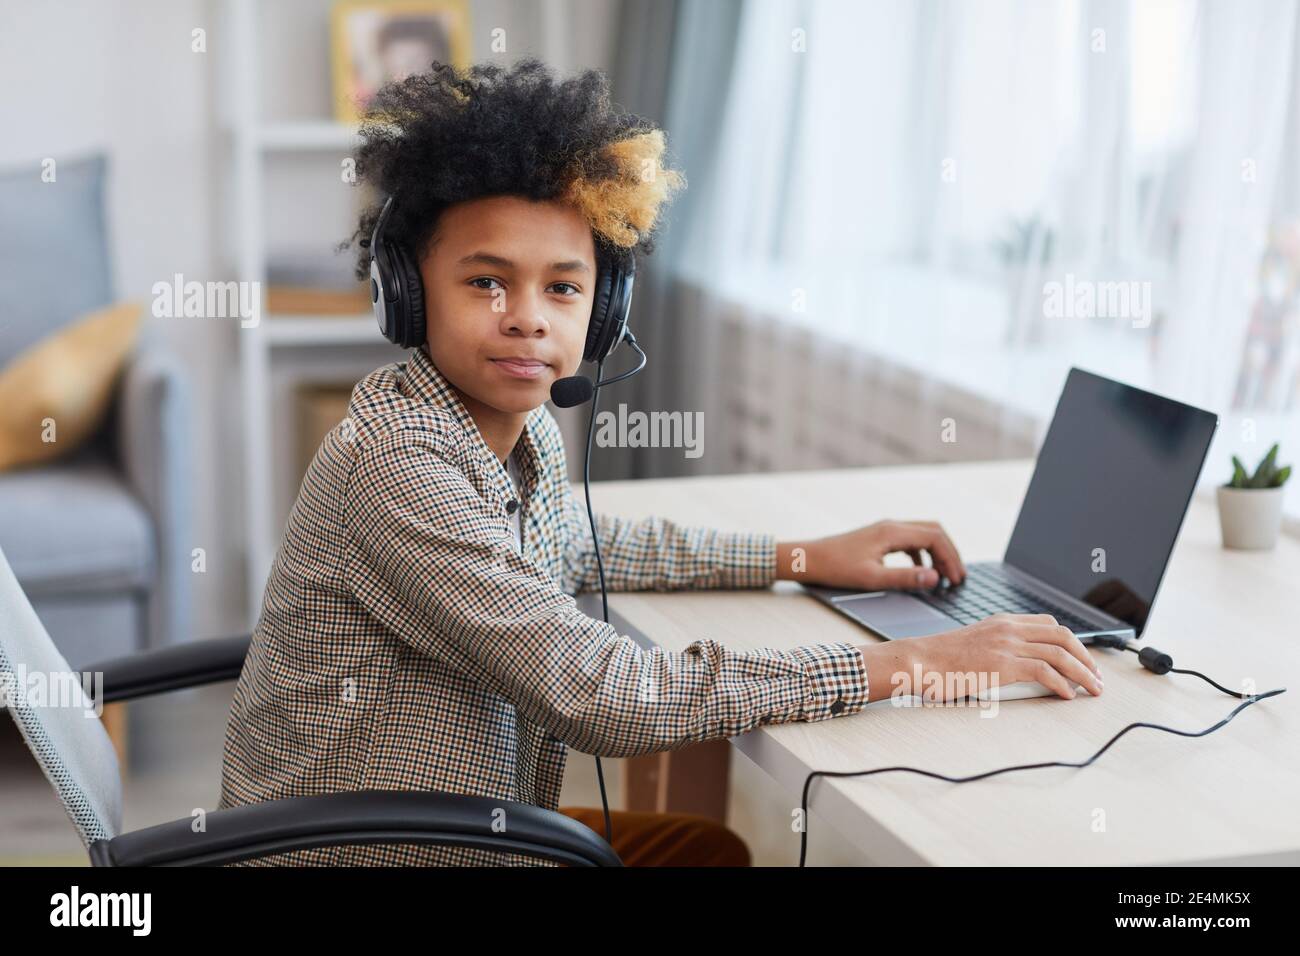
(748, 560)
(837, 680)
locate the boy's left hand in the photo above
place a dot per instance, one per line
(855, 559)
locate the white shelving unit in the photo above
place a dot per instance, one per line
(321, 330)
(279, 351)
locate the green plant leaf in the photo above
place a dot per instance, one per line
(1264, 473)
(1280, 476)
(1239, 478)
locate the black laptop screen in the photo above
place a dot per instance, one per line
(1109, 492)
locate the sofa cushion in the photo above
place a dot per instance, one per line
(54, 260)
(55, 394)
(73, 527)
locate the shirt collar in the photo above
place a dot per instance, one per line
(424, 382)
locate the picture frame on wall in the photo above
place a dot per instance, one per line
(377, 41)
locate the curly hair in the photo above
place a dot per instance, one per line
(446, 136)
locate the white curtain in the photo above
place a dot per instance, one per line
(917, 176)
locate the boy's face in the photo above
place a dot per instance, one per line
(508, 290)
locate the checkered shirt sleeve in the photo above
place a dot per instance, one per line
(429, 559)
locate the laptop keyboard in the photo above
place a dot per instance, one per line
(987, 590)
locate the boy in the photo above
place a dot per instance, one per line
(418, 630)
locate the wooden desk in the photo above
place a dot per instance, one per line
(1152, 799)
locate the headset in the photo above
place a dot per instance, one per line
(397, 295)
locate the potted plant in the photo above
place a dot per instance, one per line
(1250, 506)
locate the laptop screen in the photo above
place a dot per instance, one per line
(1108, 495)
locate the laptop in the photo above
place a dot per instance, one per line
(1096, 528)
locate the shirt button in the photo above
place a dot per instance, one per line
(837, 708)
(512, 506)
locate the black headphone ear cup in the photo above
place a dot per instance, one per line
(410, 316)
(593, 351)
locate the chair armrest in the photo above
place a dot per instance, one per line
(153, 444)
(360, 817)
(172, 668)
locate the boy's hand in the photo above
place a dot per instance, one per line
(1006, 647)
(856, 559)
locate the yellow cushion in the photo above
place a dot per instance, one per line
(55, 395)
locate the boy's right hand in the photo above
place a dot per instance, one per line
(1007, 647)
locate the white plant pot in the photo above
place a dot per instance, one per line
(1250, 518)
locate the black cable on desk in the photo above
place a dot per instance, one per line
(1151, 659)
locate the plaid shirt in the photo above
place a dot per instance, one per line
(404, 643)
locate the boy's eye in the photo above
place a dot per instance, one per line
(565, 288)
(484, 279)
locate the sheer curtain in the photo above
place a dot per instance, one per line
(990, 192)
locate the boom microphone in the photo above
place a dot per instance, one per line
(571, 391)
(576, 389)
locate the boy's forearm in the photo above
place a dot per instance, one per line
(791, 560)
(890, 665)
(654, 553)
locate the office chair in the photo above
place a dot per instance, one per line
(76, 755)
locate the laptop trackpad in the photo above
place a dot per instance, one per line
(892, 614)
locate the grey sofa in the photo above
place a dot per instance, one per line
(99, 540)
